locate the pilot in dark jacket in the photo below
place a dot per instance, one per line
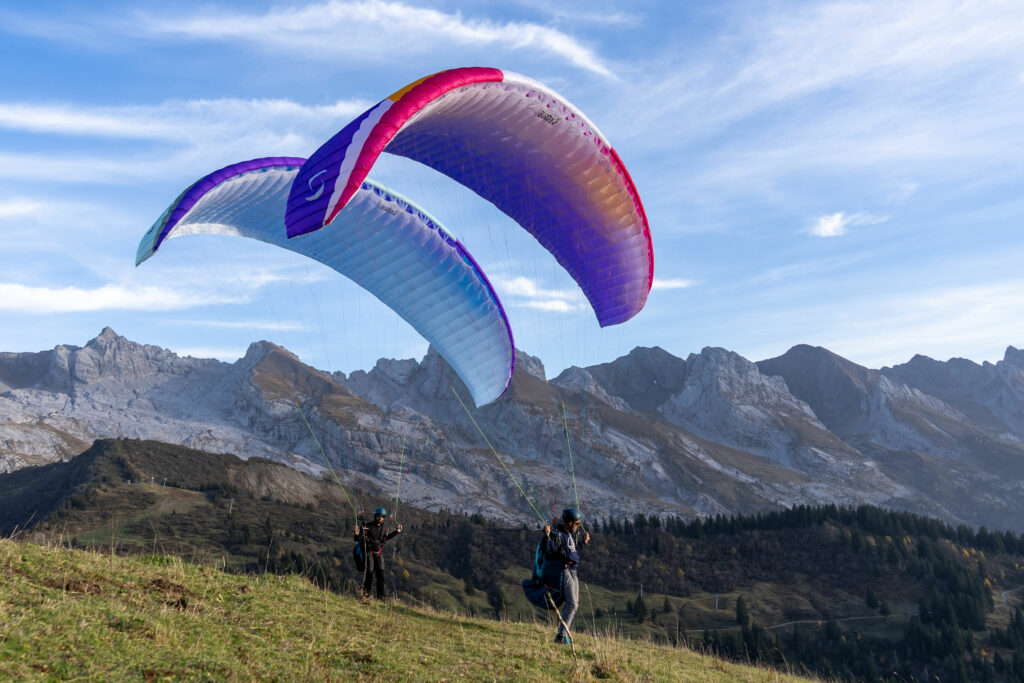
(563, 546)
(373, 538)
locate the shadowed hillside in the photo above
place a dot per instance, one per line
(811, 580)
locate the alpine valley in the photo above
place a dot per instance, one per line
(649, 432)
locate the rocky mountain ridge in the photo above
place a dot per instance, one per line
(649, 432)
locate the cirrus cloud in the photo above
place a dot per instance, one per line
(175, 120)
(527, 293)
(372, 29)
(836, 224)
(672, 283)
(19, 298)
(19, 207)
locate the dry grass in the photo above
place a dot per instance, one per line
(72, 614)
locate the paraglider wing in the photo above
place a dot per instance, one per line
(517, 144)
(382, 241)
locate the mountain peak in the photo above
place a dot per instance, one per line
(728, 400)
(820, 352)
(645, 378)
(727, 366)
(834, 388)
(717, 354)
(259, 350)
(397, 371)
(530, 364)
(107, 337)
(649, 354)
(921, 359)
(805, 355)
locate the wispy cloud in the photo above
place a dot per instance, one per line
(19, 207)
(248, 325)
(525, 287)
(222, 273)
(833, 44)
(372, 29)
(178, 120)
(552, 305)
(836, 224)
(93, 169)
(783, 55)
(526, 293)
(20, 298)
(205, 134)
(831, 225)
(672, 283)
(76, 121)
(585, 11)
(908, 93)
(368, 30)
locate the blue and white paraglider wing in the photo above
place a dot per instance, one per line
(381, 241)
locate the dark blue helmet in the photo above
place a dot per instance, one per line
(571, 515)
(380, 512)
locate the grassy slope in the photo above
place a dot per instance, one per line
(66, 613)
(805, 575)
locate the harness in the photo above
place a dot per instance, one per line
(366, 541)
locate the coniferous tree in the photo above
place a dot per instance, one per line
(640, 610)
(742, 615)
(870, 599)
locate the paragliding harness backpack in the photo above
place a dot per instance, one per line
(359, 549)
(545, 579)
(359, 555)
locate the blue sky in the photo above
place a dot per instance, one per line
(839, 174)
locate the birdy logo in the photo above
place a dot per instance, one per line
(319, 190)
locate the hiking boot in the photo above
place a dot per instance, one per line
(563, 639)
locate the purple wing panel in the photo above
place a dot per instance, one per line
(518, 145)
(342, 163)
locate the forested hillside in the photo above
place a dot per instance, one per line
(854, 593)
